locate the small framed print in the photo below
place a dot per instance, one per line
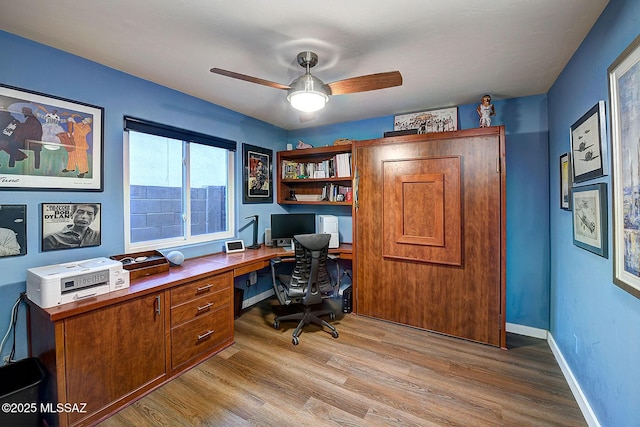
(588, 153)
(590, 218)
(70, 225)
(257, 176)
(442, 120)
(565, 181)
(13, 230)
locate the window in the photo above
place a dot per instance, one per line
(178, 186)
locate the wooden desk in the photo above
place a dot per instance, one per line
(111, 350)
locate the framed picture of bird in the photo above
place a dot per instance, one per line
(588, 153)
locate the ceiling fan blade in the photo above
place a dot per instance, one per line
(250, 79)
(366, 83)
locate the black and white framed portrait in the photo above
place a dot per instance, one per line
(70, 225)
(13, 230)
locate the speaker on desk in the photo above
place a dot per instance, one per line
(347, 298)
(267, 237)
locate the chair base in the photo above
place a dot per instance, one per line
(306, 317)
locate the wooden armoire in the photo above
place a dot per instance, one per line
(429, 232)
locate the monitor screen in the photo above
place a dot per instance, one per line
(285, 226)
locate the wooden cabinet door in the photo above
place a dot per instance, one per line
(113, 352)
(429, 232)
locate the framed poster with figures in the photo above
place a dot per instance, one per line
(257, 176)
(49, 143)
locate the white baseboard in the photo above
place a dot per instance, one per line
(527, 331)
(583, 403)
(256, 299)
(581, 399)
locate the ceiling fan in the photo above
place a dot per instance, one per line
(308, 93)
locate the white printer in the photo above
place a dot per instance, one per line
(57, 284)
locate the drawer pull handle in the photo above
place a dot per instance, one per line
(206, 334)
(203, 288)
(204, 307)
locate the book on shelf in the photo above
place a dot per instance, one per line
(337, 193)
(339, 166)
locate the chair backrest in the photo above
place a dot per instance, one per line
(310, 270)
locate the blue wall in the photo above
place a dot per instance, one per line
(525, 121)
(551, 284)
(585, 304)
(50, 71)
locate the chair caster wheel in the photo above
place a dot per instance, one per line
(276, 325)
(295, 340)
(332, 316)
(334, 334)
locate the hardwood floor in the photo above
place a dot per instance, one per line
(375, 374)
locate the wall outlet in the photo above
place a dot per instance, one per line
(253, 277)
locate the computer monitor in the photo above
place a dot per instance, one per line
(285, 226)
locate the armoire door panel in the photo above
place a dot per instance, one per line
(429, 232)
(424, 223)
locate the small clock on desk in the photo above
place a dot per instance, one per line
(232, 246)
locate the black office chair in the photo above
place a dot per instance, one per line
(308, 283)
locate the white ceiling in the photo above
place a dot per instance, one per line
(450, 52)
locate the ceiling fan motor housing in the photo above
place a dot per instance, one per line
(307, 58)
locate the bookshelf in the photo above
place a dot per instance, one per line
(316, 176)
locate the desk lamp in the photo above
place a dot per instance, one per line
(255, 245)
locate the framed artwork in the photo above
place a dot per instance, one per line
(70, 225)
(442, 120)
(13, 230)
(565, 182)
(49, 143)
(624, 94)
(257, 176)
(590, 218)
(588, 152)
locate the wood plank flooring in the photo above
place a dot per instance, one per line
(375, 374)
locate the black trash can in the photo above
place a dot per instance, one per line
(238, 297)
(20, 385)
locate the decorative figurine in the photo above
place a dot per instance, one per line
(485, 111)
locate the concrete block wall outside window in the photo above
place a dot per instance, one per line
(156, 212)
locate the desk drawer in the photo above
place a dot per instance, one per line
(254, 266)
(199, 288)
(199, 307)
(200, 335)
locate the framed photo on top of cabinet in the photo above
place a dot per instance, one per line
(590, 218)
(13, 230)
(624, 95)
(49, 143)
(565, 181)
(70, 225)
(442, 120)
(257, 176)
(588, 153)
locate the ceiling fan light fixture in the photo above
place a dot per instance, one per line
(308, 94)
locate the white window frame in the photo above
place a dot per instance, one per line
(186, 238)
